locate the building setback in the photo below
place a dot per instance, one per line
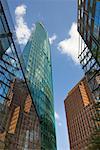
(38, 73)
(79, 114)
(20, 123)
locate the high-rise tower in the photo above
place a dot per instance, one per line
(38, 72)
(88, 22)
(79, 111)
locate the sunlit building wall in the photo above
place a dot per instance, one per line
(79, 113)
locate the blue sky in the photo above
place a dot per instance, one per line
(59, 17)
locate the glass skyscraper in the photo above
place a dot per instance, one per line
(38, 72)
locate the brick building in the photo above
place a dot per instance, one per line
(22, 128)
(79, 114)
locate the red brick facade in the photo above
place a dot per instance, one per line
(79, 114)
(22, 123)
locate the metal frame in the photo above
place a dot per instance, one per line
(88, 56)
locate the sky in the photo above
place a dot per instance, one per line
(59, 18)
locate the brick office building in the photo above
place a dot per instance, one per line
(79, 114)
(22, 129)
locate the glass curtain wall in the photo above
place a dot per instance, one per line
(38, 72)
(12, 112)
(89, 29)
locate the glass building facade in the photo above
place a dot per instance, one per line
(89, 29)
(9, 51)
(19, 121)
(38, 72)
(89, 24)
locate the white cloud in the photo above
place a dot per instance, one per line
(52, 38)
(22, 31)
(57, 116)
(70, 46)
(20, 10)
(60, 124)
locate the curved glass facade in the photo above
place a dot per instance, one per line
(38, 71)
